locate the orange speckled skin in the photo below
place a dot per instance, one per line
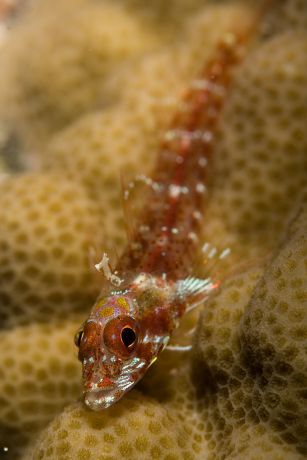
(162, 250)
(149, 306)
(165, 240)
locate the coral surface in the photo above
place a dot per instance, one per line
(34, 383)
(92, 141)
(100, 39)
(88, 88)
(48, 224)
(137, 427)
(264, 159)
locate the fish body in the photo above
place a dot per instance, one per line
(164, 242)
(131, 323)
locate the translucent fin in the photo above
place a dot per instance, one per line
(191, 331)
(222, 266)
(134, 192)
(180, 348)
(181, 339)
(127, 207)
(193, 290)
(212, 259)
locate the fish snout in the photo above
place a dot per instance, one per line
(101, 395)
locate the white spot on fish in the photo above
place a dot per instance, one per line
(200, 188)
(225, 253)
(207, 137)
(197, 215)
(192, 236)
(176, 190)
(202, 162)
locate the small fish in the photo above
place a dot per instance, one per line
(153, 286)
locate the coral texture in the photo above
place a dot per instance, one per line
(83, 44)
(47, 225)
(35, 384)
(250, 388)
(94, 139)
(274, 329)
(264, 159)
(138, 428)
(241, 392)
(155, 86)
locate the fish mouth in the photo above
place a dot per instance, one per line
(99, 399)
(101, 392)
(101, 396)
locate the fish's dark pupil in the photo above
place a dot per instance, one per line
(128, 336)
(78, 338)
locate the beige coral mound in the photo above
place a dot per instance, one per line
(3, 168)
(251, 378)
(167, 17)
(255, 443)
(82, 44)
(209, 26)
(275, 336)
(291, 14)
(263, 159)
(218, 375)
(100, 151)
(47, 226)
(295, 14)
(240, 394)
(40, 374)
(229, 412)
(136, 428)
(155, 85)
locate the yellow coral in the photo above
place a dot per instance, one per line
(275, 335)
(291, 14)
(131, 131)
(136, 428)
(47, 225)
(228, 405)
(82, 43)
(3, 168)
(98, 151)
(219, 376)
(167, 17)
(244, 398)
(260, 159)
(154, 87)
(39, 375)
(253, 379)
(254, 442)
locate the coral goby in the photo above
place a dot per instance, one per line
(155, 287)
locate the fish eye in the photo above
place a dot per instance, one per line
(120, 336)
(128, 336)
(78, 337)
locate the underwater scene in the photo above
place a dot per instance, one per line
(153, 229)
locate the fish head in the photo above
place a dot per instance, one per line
(116, 344)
